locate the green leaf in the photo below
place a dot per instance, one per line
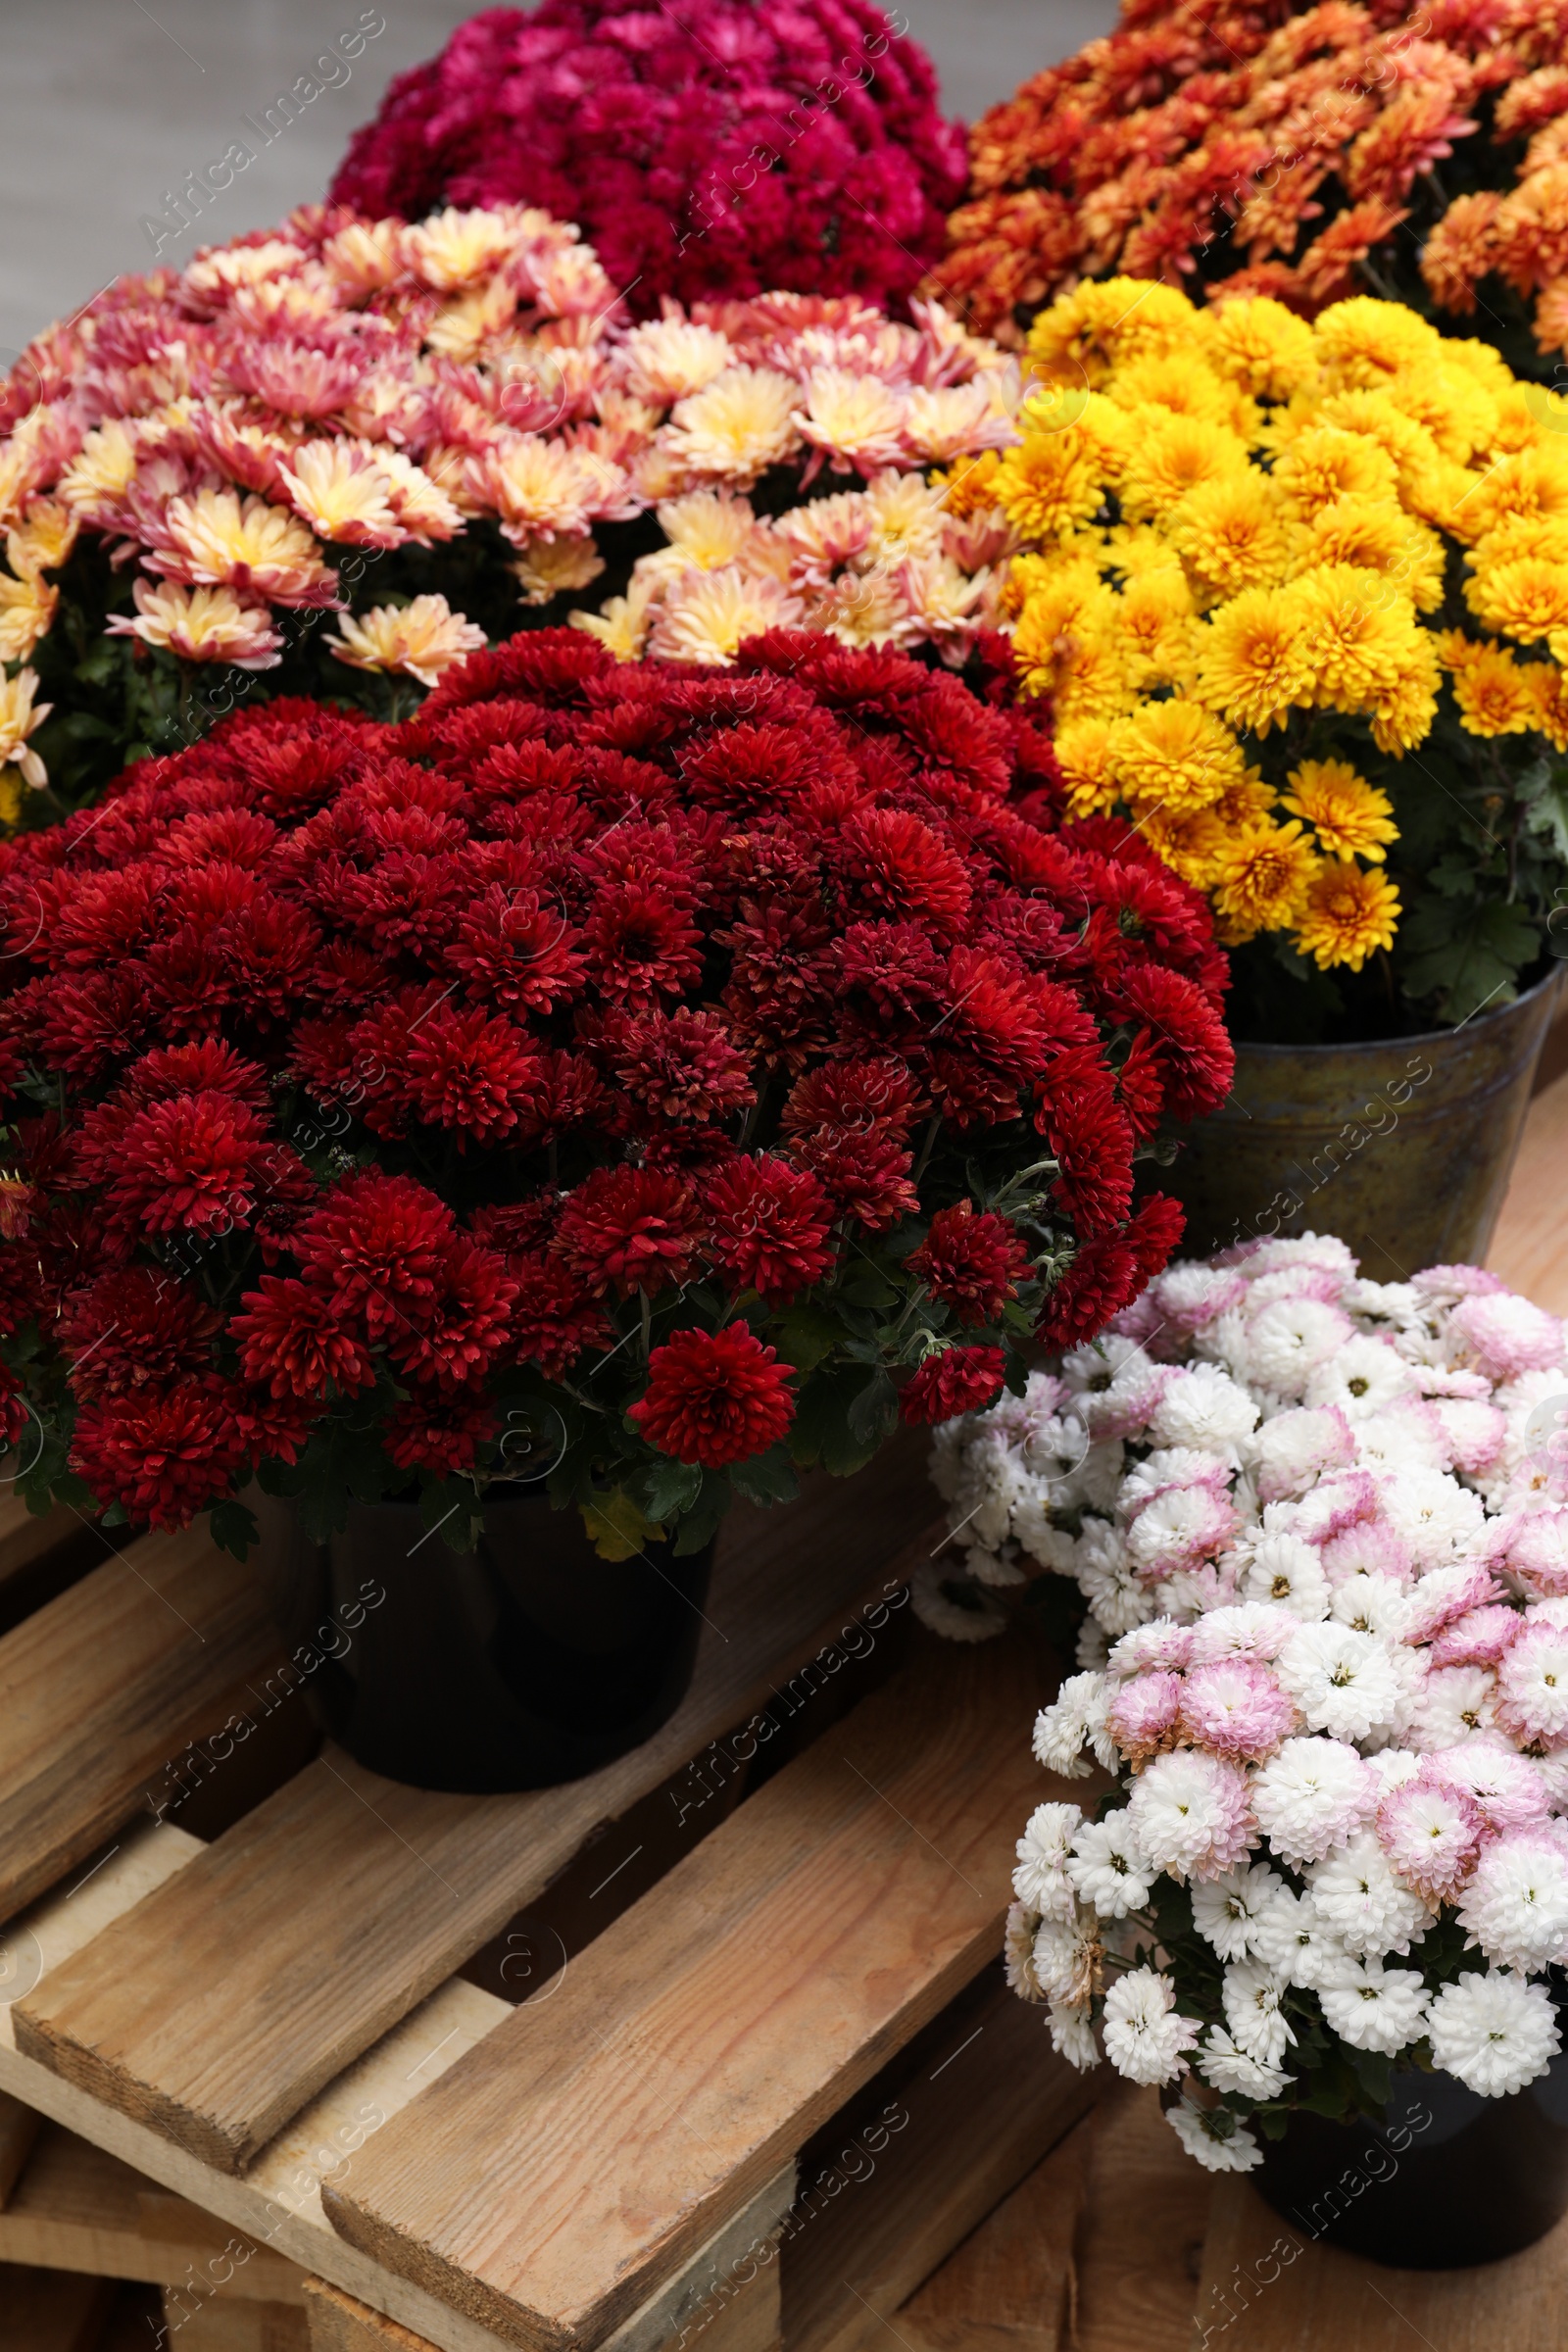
(235, 1528)
(767, 1478)
(666, 1488)
(1467, 959)
(806, 1335)
(874, 1413)
(820, 1431)
(701, 1523)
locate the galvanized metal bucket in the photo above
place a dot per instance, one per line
(1404, 1147)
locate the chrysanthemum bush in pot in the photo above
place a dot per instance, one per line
(336, 457)
(645, 1081)
(1295, 597)
(1317, 1527)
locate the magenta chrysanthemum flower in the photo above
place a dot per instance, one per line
(1236, 1707)
(721, 149)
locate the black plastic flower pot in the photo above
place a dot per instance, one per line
(1444, 2182)
(523, 1663)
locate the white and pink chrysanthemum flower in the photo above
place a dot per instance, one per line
(1191, 1814)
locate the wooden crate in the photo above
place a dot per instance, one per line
(308, 2021)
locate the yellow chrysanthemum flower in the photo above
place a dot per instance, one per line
(1083, 337)
(1403, 710)
(1325, 465)
(1526, 600)
(1245, 801)
(1083, 753)
(1050, 486)
(1358, 628)
(1261, 878)
(1549, 686)
(1175, 753)
(1155, 618)
(1191, 841)
(1351, 817)
(1171, 454)
(1363, 343)
(1375, 537)
(1230, 534)
(1259, 345)
(1254, 660)
(1345, 915)
(1495, 695)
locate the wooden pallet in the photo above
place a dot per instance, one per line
(290, 1993)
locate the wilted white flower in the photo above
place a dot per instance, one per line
(1018, 1953)
(1072, 2035)
(1066, 1958)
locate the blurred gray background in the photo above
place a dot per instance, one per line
(106, 105)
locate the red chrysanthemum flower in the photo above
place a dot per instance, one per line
(188, 1161)
(164, 1455)
(440, 1434)
(133, 1328)
(631, 1229)
(960, 1380)
(770, 1227)
(293, 1340)
(971, 1261)
(714, 1397)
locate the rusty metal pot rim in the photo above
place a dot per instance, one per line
(1416, 1037)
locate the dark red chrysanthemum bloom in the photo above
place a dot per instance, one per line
(960, 1380)
(442, 1435)
(631, 1229)
(136, 1327)
(163, 1453)
(293, 1340)
(971, 1261)
(714, 1397)
(770, 1227)
(1107, 1273)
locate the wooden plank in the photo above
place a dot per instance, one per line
(77, 2208)
(1140, 2241)
(1530, 1250)
(983, 2102)
(49, 2310)
(582, 2150)
(105, 1683)
(278, 2204)
(1266, 2287)
(746, 2319)
(1011, 2286)
(359, 1896)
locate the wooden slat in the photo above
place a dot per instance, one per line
(302, 1935)
(104, 1685)
(745, 2320)
(980, 2109)
(77, 2208)
(1010, 2286)
(579, 2152)
(19, 2128)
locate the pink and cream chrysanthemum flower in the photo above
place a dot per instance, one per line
(421, 640)
(202, 624)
